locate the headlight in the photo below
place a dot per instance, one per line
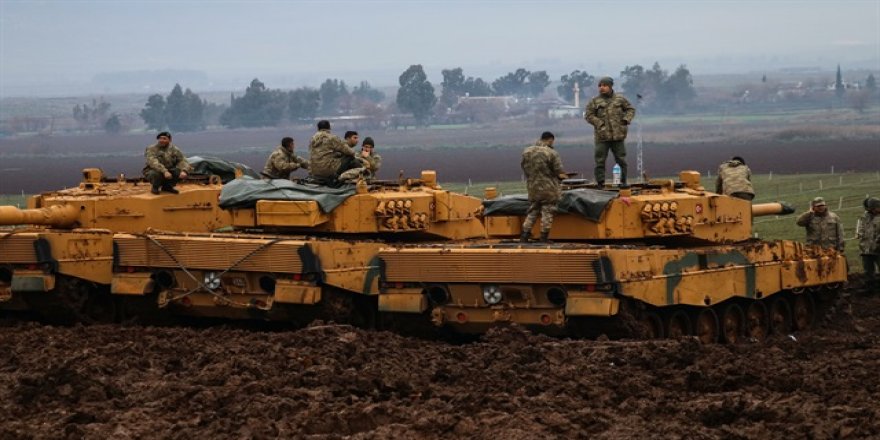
(492, 294)
(212, 280)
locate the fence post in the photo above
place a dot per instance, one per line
(832, 169)
(840, 204)
(820, 184)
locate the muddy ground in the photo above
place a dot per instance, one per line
(328, 382)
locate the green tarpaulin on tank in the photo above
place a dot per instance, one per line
(587, 202)
(246, 192)
(220, 167)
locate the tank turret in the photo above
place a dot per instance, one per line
(411, 208)
(124, 205)
(662, 210)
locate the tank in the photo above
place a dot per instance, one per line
(109, 249)
(667, 258)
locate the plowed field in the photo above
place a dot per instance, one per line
(328, 381)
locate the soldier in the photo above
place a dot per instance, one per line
(609, 114)
(823, 226)
(165, 164)
(868, 233)
(282, 161)
(370, 163)
(329, 155)
(543, 169)
(735, 179)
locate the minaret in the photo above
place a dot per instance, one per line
(577, 95)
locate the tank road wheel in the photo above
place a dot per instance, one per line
(652, 325)
(757, 321)
(706, 326)
(678, 325)
(733, 323)
(780, 316)
(803, 311)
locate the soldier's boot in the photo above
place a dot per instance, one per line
(155, 189)
(524, 236)
(170, 189)
(600, 183)
(545, 237)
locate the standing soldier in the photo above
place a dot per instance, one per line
(165, 164)
(735, 179)
(823, 226)
(868, 233)
(543, 169)
(282, 161)
(609, 113)
(329, 155)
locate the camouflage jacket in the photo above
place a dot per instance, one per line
(282, 162)
(375, 162)
(734, 176)
(326, 152)
(823, 230)
(610, 116)
(542, 167)
(868, 233)
(163, 159)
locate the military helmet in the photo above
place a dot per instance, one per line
(818, 201)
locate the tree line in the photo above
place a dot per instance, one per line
(654, 89)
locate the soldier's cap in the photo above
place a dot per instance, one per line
(738, 159)
(818, 201)
(164, 133)
(547, 135)
(368, 141)
(607, 80)
(872, 203)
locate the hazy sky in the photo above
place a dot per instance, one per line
(45, 43)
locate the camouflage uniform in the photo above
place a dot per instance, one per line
(868, 233)
(735, 179)
(159, 160)
(823, 230)
(542, 167)
(610, 115)
(329, 156)
(369, 167)
(282, 162)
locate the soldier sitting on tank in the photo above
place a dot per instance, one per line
(823, 226)
(370, 163)
(282, 161)
(330, 156)
(166, 164)
(735, 179)
(543, 169)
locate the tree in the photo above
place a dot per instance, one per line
(179, 111)
(678, 88)
(93, 116)
(838, 84)
(538, 81)
(332, 91)
(154, 112)
(566, 87)
(259, 107)
(871, 83)
(511, 84)
(416, 94)
(452, 87)
(113, 125)
(303, 104)
(365, 93)
(477, 87)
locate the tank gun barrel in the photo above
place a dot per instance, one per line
(774, 208)
(59, 216)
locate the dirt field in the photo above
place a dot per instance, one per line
(36, 164)
(330, 382)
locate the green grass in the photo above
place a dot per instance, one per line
(14, 200)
